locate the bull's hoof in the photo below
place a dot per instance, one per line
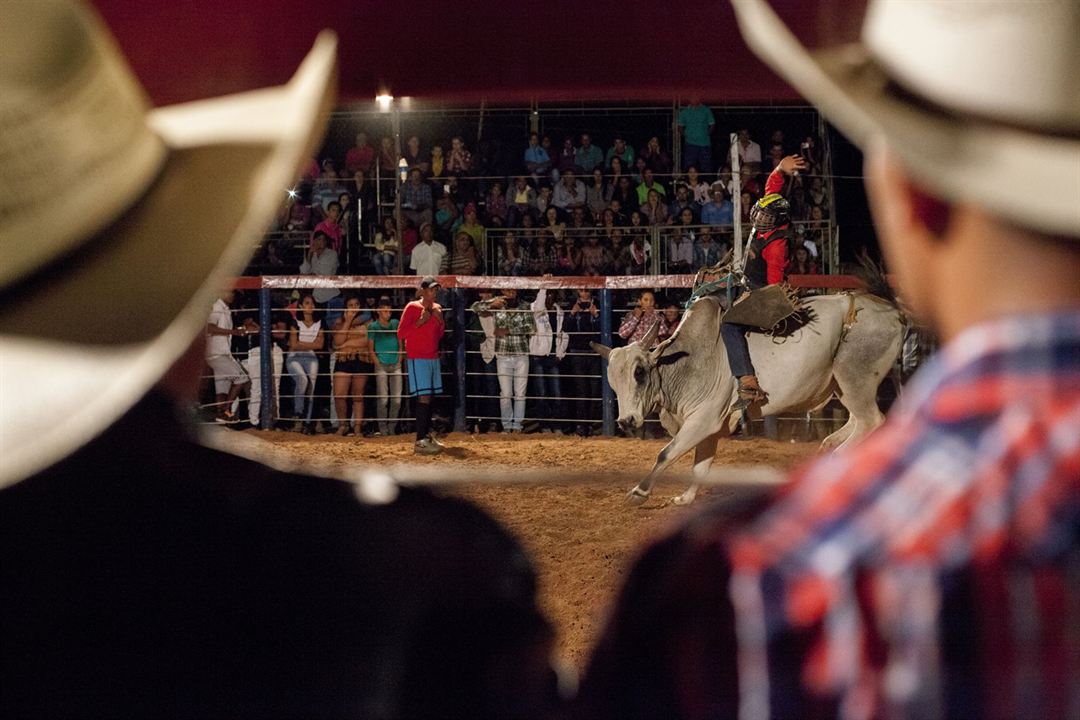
(684, 499)
(636, 496)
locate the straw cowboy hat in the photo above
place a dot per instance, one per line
(979, 100)
(119, 224)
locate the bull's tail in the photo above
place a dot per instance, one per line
(872, 274)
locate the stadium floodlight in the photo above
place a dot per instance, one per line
(384, 101)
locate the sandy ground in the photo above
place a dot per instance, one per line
(581, 536)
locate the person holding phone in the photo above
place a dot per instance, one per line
(420, 330)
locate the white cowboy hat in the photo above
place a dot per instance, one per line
(979, 100)
(120, 224)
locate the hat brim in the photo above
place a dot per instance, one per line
(87, 337)
(1029, 178)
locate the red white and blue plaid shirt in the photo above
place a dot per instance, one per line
(934, 569)
(931, 571)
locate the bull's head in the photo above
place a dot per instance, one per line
(633, 375)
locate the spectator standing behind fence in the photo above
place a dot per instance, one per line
(482, 371)
(420, 330)
(696, 124)
(253, 362)
(229, 377)
(584, 327)
(306, 339)
(514, 326)
(352, 367)
(386, 348)
(640, 320)
(671, 316)
(429, 257)
(547, 348)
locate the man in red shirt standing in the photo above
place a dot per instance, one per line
(420, 329)
(766, 259)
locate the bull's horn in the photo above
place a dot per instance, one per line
(650, 337)
(601, 350)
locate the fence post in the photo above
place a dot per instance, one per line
(459, 357)
(606, 339)
(266, 360)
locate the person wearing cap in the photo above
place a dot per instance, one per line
(145, 574)
(421, 328)
(429, 255)
(930, 571)
(719, 210)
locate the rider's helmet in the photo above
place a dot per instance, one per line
(769, 212)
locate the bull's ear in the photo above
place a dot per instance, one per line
(650, 337)
(601, 350)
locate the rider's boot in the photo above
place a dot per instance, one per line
(750, 393)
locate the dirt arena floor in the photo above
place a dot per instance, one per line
(581, 536)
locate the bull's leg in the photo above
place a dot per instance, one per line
(704, 423)
(859, 395)
(704, 454)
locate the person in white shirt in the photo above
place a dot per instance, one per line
(569, 193)
(749, 151)
(429, 255)
(229, 377)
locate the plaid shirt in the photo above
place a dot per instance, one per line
(932, 570)
(416, 197)
(519, 322)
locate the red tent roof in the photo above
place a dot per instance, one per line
(454, 52)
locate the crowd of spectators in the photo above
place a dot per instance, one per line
(530, 367)
(575, 209)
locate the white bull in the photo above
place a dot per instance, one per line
(846, 349)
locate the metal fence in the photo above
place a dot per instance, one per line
(567, 393)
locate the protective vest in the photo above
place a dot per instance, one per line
(756, 269)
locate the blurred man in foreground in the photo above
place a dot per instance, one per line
(932, 570)
(142, 574)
